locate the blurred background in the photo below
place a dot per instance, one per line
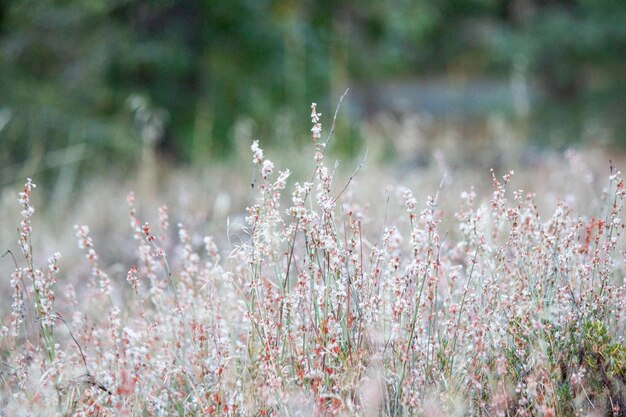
(87, 86)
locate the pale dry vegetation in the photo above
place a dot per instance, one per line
(338, 292)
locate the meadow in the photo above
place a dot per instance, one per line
(299, 286)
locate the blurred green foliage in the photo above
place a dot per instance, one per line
(68, 68)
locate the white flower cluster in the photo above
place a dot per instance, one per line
(257, 153)
(316, 130)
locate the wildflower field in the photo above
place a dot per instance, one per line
(340, 291)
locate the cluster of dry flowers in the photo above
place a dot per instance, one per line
(506, 314)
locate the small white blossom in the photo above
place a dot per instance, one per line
(268, 168)
(257, 153)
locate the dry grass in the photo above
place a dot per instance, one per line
(335, 293)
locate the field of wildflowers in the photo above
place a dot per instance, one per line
(333, 298)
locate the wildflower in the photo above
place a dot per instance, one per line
(17, 306)
(315, 116)
(27, 213)
(146, 231)
(409, 202)
(281, 182)
(316, 130)
(257, 153)
(267, 169)
(131, 277)
(85, 242)
(25, 196)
